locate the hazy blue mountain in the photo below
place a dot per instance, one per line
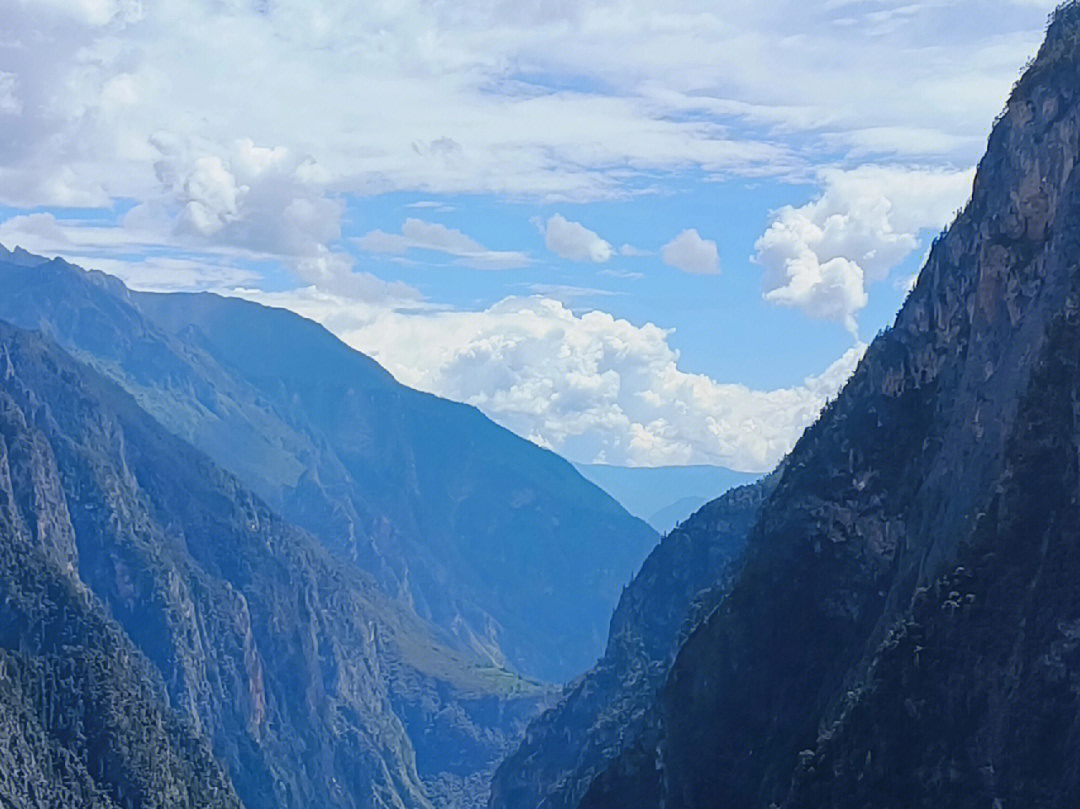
(905, 629)
(305, 679)
(669, 493)
(20, 257)
(669, 516)
(501, 543)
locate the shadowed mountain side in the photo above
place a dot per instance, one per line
(602, 711)
(84, 718)
(903, 633)
(485, 521)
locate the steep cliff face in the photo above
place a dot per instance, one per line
(566, 747)
(292, 666)
(499, 542)
(902, 631)
(84, 718)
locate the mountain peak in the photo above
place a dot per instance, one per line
(20, 257)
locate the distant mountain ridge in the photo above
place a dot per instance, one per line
(666, 494)
(497, 541)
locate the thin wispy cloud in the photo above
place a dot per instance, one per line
(416, 234)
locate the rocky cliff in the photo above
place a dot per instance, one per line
(903, 632)
(84, 717)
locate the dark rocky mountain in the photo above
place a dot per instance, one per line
(566, 747)
(165, 636)
(497, 541)
(904, 630)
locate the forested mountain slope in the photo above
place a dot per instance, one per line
(601, 712)
(84, 718)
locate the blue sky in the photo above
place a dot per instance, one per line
(711, 315)
(634, 232)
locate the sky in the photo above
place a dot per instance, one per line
(637, 233)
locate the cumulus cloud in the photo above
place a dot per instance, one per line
(591, 386)
(690, 253)
(821, 257)
(265, 199)
(421, 235)
(574, 241)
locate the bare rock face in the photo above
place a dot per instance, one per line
(903, 630)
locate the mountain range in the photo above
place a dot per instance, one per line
(479, 531)
(325, 587)
(664, 496)
(242, 566)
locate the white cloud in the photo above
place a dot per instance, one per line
(587, 385)
(267, 200)
(210, 197)
(238, 130)
(627, 274)
(569, 292)
(431, 204)
(90, 13)
(169, 274)
(821, 257)
(690, 253)
(150, 266)
(473, 97)
(421, 235)
(574, 241)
